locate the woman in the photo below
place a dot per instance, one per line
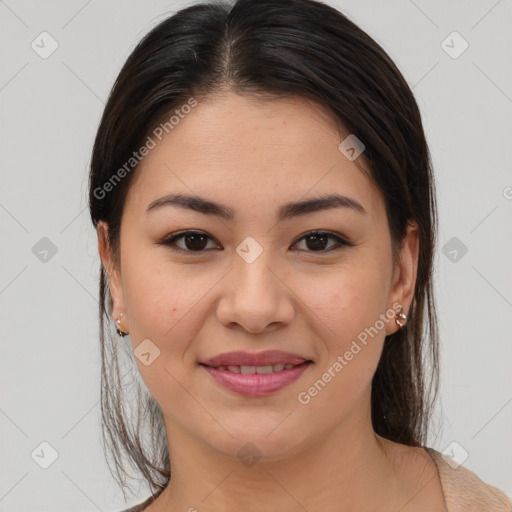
(265, 208)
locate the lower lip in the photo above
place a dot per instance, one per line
(257, 384)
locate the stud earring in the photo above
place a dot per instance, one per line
(401, 318)
(118, 325)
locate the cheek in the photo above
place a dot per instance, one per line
(168, 303)
(347, 305)
(159, 299)
(157, 304)
(163, 305)
(346, 300)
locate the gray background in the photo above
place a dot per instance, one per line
(50, 109)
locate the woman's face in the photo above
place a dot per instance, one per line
(252, 280)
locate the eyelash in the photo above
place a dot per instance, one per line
(169, 241)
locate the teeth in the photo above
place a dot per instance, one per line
(250, 370)
(264, 369)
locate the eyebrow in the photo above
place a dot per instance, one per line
(287, 211)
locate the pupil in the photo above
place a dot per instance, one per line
(189, 242)
(317, 245)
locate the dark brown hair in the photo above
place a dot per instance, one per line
(272, 48)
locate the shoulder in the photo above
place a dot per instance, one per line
(464, 491)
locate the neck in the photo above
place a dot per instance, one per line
(348, 469)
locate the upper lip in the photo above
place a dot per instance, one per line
(267, 358)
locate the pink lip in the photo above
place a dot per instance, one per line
(257, 384)
(240, 358)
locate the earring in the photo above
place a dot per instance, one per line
(401, 318)
(118, 325)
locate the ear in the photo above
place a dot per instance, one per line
(404, 274)
(113, 273)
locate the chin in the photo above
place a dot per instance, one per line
(266, 441)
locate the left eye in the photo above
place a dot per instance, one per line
(196, 241)
(318, 239)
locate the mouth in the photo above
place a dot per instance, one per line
(256, 374)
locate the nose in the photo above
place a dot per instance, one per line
(256, 297)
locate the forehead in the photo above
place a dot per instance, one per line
(239, 147)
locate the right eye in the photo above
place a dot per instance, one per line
(193, 241)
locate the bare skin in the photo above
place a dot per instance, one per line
(253, 156)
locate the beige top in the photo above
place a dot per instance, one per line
(463, 490)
